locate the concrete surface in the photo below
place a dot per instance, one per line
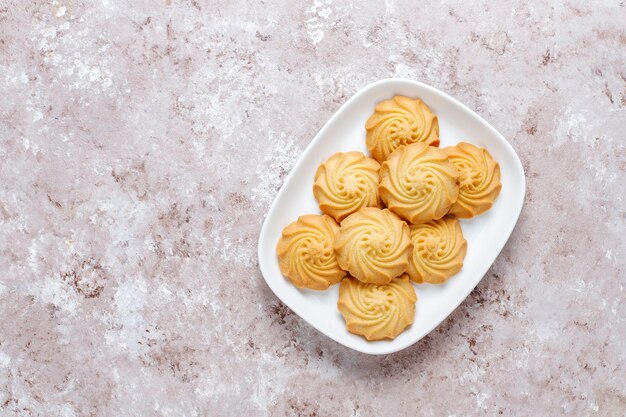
(140, 148)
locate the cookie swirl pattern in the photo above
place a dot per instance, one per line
(373, 245)
(479, 179)
(438, 250)
(306, 255)
(345, 183)
(397, 122)
(418, 183)
(377, 312)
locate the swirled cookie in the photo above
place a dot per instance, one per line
(400, 121)
(438, 250)
(377, 311)
(305, 252)
(373, 245)
(418, 183)
(345, 183)
(479, 179)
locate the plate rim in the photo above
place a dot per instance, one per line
(363, 90)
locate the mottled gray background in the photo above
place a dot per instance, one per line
(140, 148)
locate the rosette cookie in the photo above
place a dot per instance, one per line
(377, 311)
(305, 252)
(400, 121)
(345, 183)
(373, 245)
(418, 183)
(438, 250)
(479, 179)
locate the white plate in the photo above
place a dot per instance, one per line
(486, 234)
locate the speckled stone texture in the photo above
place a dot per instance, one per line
(141, 147)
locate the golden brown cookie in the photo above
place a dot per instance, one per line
(479, 179)
(373, 245)
(305, 252)
(438, 250)
(377, 311)
(418, 183)
(400, 121)
(345, 183)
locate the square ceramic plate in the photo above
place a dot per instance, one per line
(486, 234)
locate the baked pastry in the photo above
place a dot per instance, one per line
(377, 311)
(418, 183)
(345, 183)
(305, 252)
(438, 250)
(373, 245)
(400, 121)
(479, 179)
